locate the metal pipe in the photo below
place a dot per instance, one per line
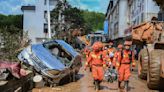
(49, 24)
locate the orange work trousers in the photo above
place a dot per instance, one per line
(97, 72)
(124, 72)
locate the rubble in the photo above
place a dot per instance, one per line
(14, 68)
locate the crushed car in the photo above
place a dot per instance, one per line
(54, 60)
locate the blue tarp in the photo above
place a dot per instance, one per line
(106, 27)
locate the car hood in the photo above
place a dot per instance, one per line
(46, 57)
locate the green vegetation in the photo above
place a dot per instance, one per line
(76, 22)
(10, 36)
(76, 18)
(11, 20)
(94, 20)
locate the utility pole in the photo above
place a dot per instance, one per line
(49, 22)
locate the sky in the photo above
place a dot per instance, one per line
(13, 7)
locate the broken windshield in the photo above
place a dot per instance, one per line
(60, 53)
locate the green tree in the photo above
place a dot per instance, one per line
(15, 20)
(94, 20)
(10, 36)
(10, 42)
(76, 18)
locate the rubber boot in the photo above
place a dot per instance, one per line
(99, 84)
(119, 84)
(94, 82)
(126, 85)
(96, 85)
(90, 69)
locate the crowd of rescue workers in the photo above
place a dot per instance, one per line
(100, 58)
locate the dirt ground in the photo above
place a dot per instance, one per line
(85, 84)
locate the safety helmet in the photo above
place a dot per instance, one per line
(100, 44)
(120, 46)
(128, 43)
(95, 46)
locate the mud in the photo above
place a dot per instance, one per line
(85, 84)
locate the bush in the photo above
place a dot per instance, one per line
(11, 42)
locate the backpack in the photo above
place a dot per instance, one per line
(130, 55)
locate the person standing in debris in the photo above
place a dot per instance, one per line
(125, 59)
(87, 51)
(111, 51)
(98, 63)
(117, 53)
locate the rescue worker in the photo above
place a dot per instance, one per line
(125, 59)
(98, 63)
(111, 51)
(106, 56)
(87, 51)
(117, 53)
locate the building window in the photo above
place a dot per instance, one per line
(51, 2)
(116, 29)
(142, 17)
(45, 28)
(138, 20)
(45, 14)
(45, 2)
(111, 4)
(161, 16)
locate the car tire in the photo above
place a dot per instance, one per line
(143, 64)
(153, 78)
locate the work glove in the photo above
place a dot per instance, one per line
(104, 65)
(86, 65)
(117, 64)
(133, 64)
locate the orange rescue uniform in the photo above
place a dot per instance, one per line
(86, 52)
(106, 57)
(97, 65)
(115, 59)
(125, 61)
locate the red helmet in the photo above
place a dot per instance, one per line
(120, 46)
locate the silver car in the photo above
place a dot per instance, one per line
(54, 60)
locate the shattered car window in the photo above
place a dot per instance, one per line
(68, 47)
(60, 53)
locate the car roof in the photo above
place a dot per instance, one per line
(66, 46)
(46, 57)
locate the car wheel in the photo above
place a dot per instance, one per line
(143, 64)
(153, 78)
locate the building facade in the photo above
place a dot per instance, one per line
(35, 22)
(124, 14)
(161, 13)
